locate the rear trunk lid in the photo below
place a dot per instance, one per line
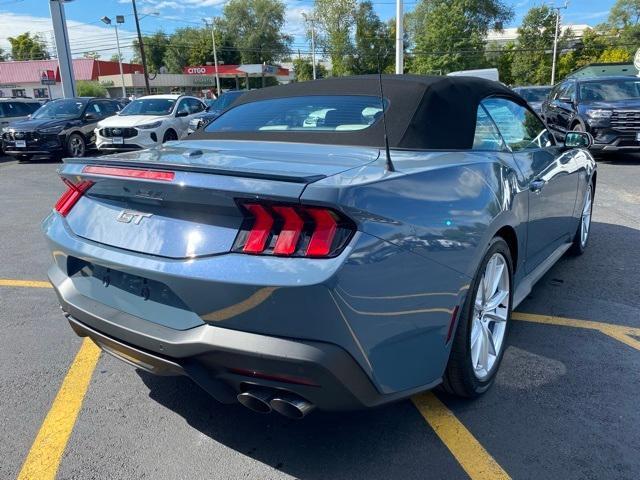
(195, 212)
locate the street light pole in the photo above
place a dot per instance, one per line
(399, 38)
(555, 42)
(141, 45)
(107, 21)
(215, 54)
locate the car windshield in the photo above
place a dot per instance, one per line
(60, 109)
(224, 100)
(303, 114)
(534, 94)
(149, 106)
(610, 90)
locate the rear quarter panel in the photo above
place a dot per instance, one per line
(429, 224)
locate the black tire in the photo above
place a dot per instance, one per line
(169, 136)
(76, 145)
(579, 246)
(459, 377)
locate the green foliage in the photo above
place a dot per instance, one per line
(90, 89)
(116, 58)
(3, 55)
(335, 19)
(625, 14)
(92, 54)
(155, 48)
(255, 27)
(374, 45)
(26, 47)
(303, 69)
(450, 35)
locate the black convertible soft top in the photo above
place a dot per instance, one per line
(422, 112)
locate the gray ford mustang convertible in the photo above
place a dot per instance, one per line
(336, 244)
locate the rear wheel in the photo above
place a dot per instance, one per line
(76, 146)
(581, 238)
(479, 343)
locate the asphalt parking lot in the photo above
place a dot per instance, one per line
(565, 404)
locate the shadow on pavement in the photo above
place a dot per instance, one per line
(389, 442)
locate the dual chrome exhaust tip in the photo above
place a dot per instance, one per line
(264, 401)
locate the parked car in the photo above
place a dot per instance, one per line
(63, 126)
(534, 95)
(606, 107)
(339, 264)
(214, 109)
(14, 109)
(148, 121)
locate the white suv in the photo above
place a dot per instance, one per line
(14, 109)
(147, 122)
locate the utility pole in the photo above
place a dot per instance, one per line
(399, 38)
(215, 53)
(141, 45)
(555, 42)
(65, 63)
(107, 21)
(310, 19)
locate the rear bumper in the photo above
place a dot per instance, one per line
(212, 356)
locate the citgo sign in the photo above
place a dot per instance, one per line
(205, 70)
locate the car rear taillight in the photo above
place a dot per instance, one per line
(292, 231)
(71, 196)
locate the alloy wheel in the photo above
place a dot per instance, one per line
(490, 315)
(76, 146)
(585, 223)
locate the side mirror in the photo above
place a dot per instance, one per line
(578, 140)
(91, 116)
(182, 113)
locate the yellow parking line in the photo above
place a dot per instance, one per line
(471, 456)
(45, 455)
(621, 333)
(7, 282)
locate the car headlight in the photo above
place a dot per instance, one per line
(5, 129)
(599, 113)
(51, 130)
(195, 123)
(149, 126)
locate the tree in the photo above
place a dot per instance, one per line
(193, 46)
(90, 89)
(625, 13)
(254, 28)
(335, 19)
(374, 45)
(501, 57)
(3, 55)
(116, 58)
(450, 35)
(303, 70)
(26, 47)
(94, 55)
(155, 48)
(533, 55)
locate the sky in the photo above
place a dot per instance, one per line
(86, 32)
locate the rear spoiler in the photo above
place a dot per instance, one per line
(191, 168)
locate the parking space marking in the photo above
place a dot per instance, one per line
(469, 453)
(621, 333)
(45, 454)
(8, 282)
